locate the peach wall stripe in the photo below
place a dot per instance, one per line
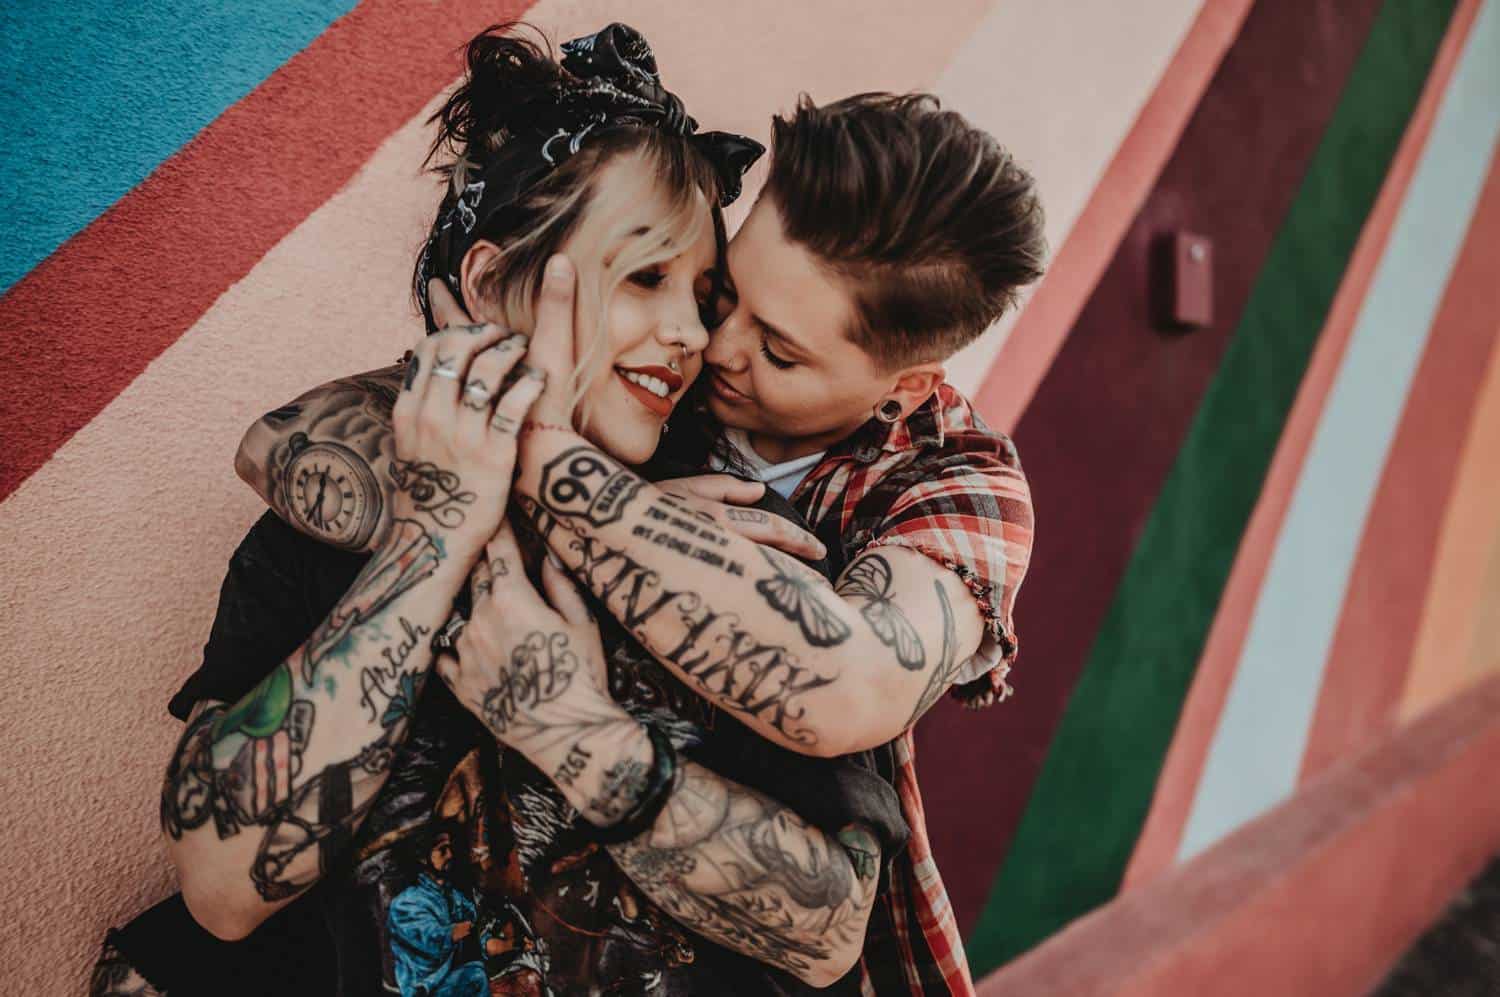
(1161, 835)
(1372, 646)
(115, 547)
(1484, 649)
(1011, 362)
(1064, 85)
(1456, 598)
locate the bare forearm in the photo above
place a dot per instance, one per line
(261, 793)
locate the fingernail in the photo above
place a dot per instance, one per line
(536, 373)
(556, 562)
(559, 267)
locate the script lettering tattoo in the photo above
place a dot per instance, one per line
(581, 482)
(755, 679)
(947, 668)
(541, 669)
(389, 691)
(740, 868)
(869, 578)
(438, 493)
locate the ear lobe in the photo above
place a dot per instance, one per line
(476, 261)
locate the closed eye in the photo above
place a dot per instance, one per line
(782, 363)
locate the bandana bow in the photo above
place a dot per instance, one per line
(615, 84)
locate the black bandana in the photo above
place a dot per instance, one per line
(615, 84)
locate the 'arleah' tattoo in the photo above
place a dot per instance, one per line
(869, 578)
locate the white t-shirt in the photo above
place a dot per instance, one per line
(783, 478)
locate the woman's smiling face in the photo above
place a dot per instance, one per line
(654, 337)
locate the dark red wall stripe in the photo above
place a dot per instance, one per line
(82, 324)
(1106, 423)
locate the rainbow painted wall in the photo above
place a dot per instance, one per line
(1265, 548)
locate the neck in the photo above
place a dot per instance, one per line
(779, 449)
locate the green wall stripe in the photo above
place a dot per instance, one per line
(1086, 813)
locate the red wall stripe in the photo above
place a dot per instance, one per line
(90, 317)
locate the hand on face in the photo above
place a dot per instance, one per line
(456, 430)
(524, 665)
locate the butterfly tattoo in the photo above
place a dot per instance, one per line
(797, 599)
(869, 578)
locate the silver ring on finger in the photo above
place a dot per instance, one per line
(451, 375)
(477, 395)
(504, 423)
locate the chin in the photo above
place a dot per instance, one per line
(627, 443)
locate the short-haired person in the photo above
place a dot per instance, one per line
(890, 234)
(602, 828)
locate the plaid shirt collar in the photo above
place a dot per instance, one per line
(922, 429)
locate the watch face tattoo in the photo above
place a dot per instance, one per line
(437, 492)
(794, 592)
(869, 578)
(581, 482)
(331, 492)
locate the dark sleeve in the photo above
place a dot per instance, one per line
(262, 618)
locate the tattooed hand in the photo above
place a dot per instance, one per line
(717, 498)
(528, 671)
(456, 431)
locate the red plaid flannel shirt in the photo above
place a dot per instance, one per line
(944, 484)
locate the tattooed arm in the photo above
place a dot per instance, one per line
(727, 862)
(322, 462)
(820, 669)
(287, 773)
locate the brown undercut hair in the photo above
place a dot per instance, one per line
(933, 225)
